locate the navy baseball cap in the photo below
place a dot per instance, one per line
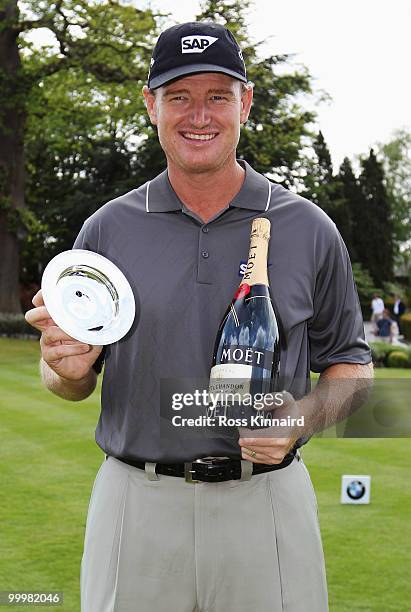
(194, 47)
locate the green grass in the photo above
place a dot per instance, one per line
(367, 548)
(48, 460)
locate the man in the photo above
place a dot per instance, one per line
(164, 532)
(385, 327)
(377, 308)
(398, 310)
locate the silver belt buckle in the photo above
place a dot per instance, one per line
(188, 467)
(188, 472)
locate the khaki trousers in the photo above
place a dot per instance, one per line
(173, 546)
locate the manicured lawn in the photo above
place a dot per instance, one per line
(48, 460)
(367, 548)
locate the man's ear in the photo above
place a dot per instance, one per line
(246, 102)
(150, 101)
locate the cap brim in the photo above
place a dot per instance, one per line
(181, 71)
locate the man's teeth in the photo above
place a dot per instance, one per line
(199, 136)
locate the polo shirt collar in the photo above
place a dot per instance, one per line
(254, 194)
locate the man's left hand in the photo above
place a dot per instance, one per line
(265, 450)
(272, 443)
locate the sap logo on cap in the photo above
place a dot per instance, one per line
(196, 44)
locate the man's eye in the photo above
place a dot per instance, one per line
(217, 98)
(178, 98)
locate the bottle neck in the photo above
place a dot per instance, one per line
(256, 270)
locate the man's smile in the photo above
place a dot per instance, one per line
(193, 136)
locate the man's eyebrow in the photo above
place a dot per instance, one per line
(174, 92)
(222, 91)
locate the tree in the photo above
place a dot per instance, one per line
(353, 198)
(373, 221)
(13, 86)
(320, 185)
(325, 167)
(97, 44)
(64, 191)
(328, 190)
(396, 160)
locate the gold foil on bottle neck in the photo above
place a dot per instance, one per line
(260, 228)
(256, 269)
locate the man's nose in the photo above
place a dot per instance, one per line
(199, 114)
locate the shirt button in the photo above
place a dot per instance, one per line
(205, 230)
(205, 254)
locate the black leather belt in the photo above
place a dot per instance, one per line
(209, 469)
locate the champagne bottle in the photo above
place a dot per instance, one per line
(246, 358)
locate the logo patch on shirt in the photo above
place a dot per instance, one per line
(243, 266)
(196, 43)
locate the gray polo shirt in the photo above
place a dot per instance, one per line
(184, 273)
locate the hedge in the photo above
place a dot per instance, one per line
(381, 352)
(15, 325)
(397, 359)
(405, 323)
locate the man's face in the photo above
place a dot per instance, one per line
(198, 118)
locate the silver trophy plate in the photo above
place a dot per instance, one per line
(88, 297)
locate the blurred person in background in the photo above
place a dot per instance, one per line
(385, 327)
(398, 310)
(377, 308)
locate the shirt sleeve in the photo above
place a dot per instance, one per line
(86, 240)
(336, 330)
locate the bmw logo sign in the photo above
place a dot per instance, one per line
(355, 489)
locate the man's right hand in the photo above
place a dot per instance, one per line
(69, 358)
